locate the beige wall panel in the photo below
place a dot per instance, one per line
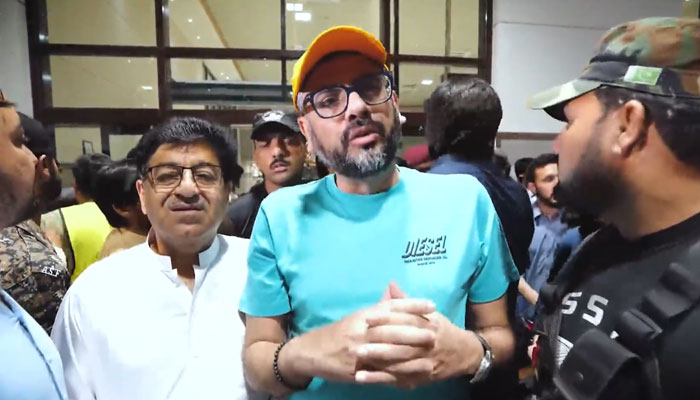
(69, 141)
(120, 145)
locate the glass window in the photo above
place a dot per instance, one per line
(226, 84)
(305, 19)
(123, 22)
(111, 82)
(417, 82)
(225, 23)
(690, 8)
(431, 38)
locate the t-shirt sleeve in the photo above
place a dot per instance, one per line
(496, 269)
(265, 293)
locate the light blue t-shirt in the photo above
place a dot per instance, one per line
(323, 254)
(32, 367)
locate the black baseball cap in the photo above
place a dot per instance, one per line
(39, 139)
(286, 120)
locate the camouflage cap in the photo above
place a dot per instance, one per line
(660, 56)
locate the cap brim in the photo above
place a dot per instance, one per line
(333, 40)
(554, 99)
(266, 125)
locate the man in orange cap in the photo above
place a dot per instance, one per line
(371, 270)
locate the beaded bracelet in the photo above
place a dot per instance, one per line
(276, 369)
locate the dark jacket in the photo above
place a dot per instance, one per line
(509, 198)
(242, 211)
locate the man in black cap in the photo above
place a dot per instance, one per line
(31, 270)
(279, 151)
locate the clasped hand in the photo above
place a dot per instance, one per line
(400, 341)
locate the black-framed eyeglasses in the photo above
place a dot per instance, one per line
(165, 178)
(332, 101)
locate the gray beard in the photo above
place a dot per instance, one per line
(369, 162)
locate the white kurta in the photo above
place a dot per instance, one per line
(128, 328)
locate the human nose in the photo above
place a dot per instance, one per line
(187, 187)
(357, 108)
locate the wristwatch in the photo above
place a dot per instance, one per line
(486, 361)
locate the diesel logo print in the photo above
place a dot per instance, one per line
(425, 251)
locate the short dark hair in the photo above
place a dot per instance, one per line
(521, 165)
(677, 119)
(190, 130)
(540, 161)
(115, 186)
(463, 116)
(85, 172)
(502, 163)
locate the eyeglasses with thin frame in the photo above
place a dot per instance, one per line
(332, 101)
(165, 178)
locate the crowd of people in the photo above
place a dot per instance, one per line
(435, 276)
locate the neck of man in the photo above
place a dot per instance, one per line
(474, 155)
(143, 231)
(653, 206)
(271, 186)
(546, 209)
(381, 182)
(81, 198)
(182, 258)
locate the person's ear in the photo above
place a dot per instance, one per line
(122, 212)
(140, 190)
(306, 131)
(228, 187)
(632, 128)
(43, 169)
(531, 187)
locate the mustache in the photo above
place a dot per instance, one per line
(359, 123)
(279, 161)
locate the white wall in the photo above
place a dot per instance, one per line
(14, 61)
(541, 43)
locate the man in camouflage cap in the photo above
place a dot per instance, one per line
(630, 155)
(31, 270)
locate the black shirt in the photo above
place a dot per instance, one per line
(509, 198)
(242, 211)
(620, 273)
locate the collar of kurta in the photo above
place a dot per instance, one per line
(207, 257)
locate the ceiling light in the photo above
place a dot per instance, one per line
(222, 74)
(199, 37)
(189, 19)
(228, 78)
(290, 6)
(426, 82)
(147, 87)
(128, 61)
(298, 7)
(302, 16)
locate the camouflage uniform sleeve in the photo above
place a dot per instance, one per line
(55, 229)
(32, 273)
(14, 261)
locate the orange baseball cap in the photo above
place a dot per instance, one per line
(333, 40)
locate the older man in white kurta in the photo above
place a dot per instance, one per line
(159, 321)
